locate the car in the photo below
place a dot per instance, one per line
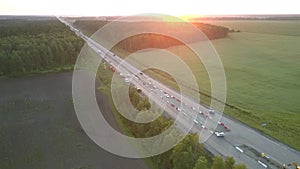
(211, 111)
(226, 128)
(220, 123)
(207, 116)
(200, 112)
(196, 121)
(122, 75)
(178, 109)
(219, 134)
(127, 80)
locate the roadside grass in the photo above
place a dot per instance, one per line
(262, 72)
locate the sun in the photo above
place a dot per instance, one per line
(189, 17)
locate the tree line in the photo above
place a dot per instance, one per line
(28, 46)
(154, 40)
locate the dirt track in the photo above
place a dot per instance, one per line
(39, 128)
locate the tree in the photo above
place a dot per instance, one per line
(239, 166)
(201, 163)
(143, 104)
(218, 163)
(183, 160)
(134, 97)
(188, 148)
(229, 163)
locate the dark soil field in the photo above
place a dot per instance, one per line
(39, 128)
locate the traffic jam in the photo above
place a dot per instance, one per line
(175, 103)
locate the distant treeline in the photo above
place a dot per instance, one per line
(249, 17)
(28, 46)
(151, 40)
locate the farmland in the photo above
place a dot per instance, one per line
(262, 71)
(263, 78)
(39, 127)
(262, 68)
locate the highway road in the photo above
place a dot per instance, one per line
(237, 134)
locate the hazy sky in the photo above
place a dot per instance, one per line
(131, 7)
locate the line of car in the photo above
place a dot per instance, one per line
(170, 99)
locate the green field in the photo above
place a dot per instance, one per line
(263, 77)
(262, 69)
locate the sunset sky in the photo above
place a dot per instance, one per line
(131, 7)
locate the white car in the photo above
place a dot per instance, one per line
(211, 111)
(219, 134)
(127, 80)
(196, 121)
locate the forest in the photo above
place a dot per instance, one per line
(33, 45)
(152, 40)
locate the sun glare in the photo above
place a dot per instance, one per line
(188, 17)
